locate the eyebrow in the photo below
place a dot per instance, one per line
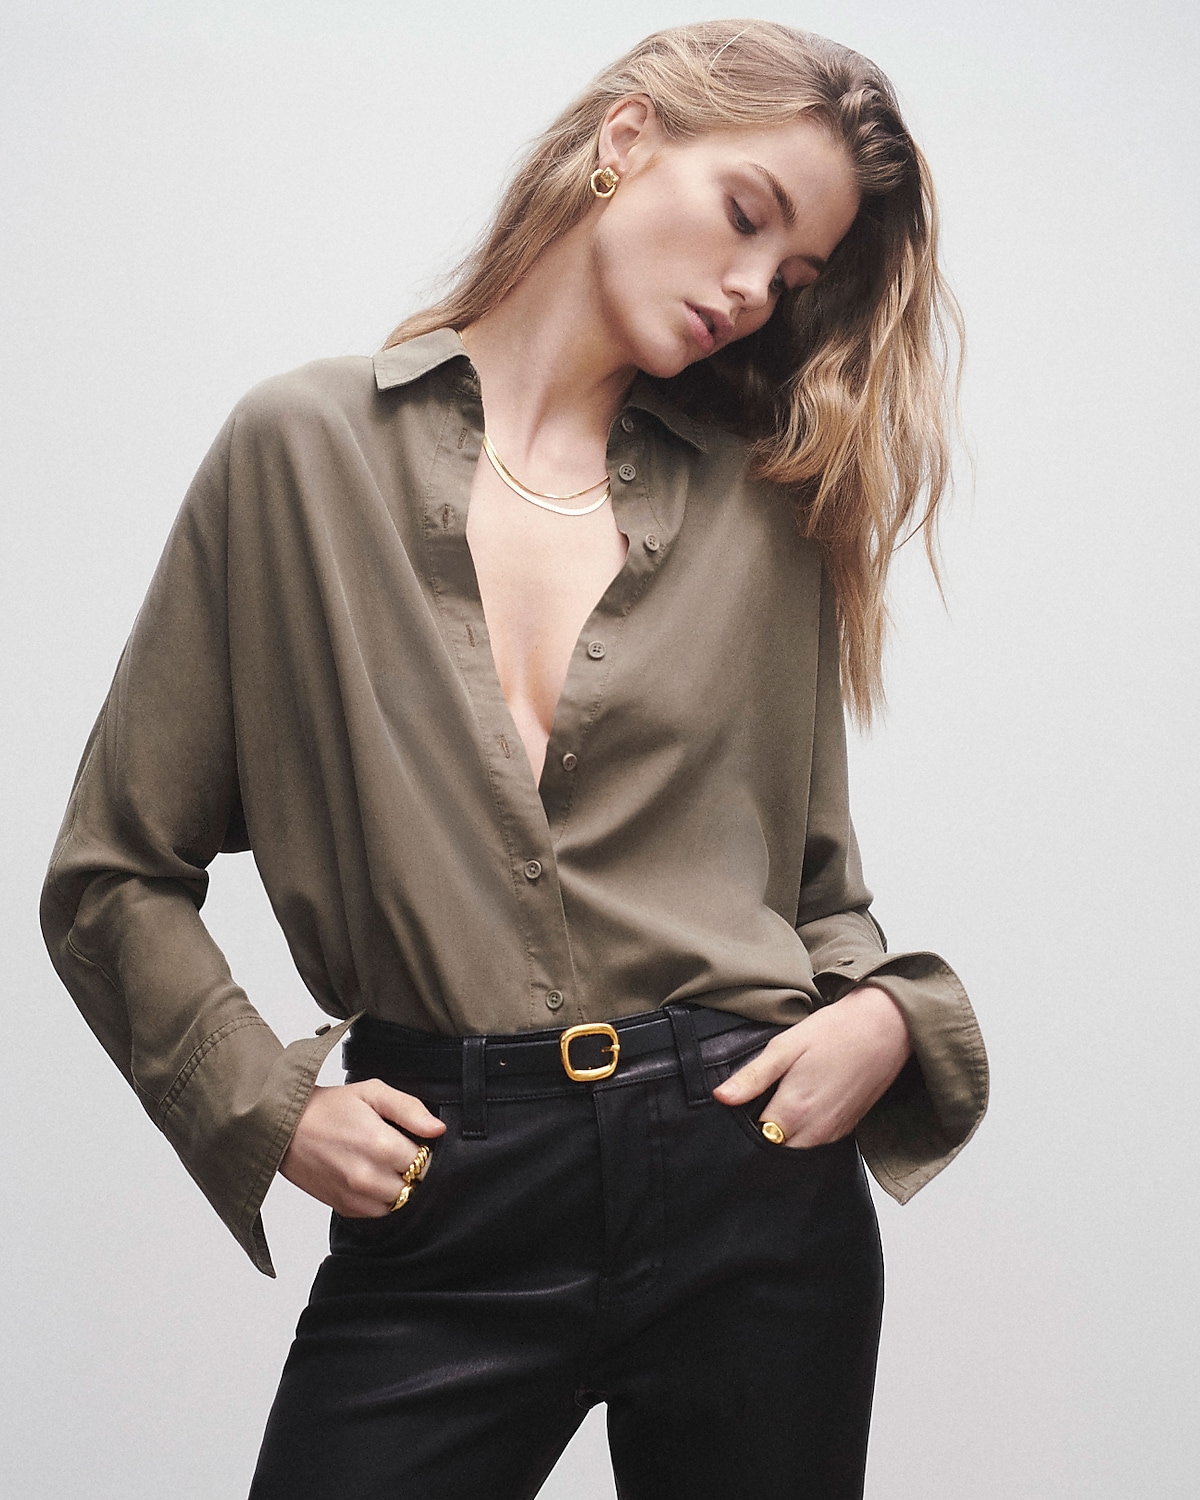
(786, 207)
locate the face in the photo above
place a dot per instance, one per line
(702, 237)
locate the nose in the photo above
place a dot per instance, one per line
(749, 283)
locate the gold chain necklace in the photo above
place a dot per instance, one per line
(536, 497)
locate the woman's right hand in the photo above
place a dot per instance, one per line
(349, 1148)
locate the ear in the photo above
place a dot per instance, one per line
(629, 133)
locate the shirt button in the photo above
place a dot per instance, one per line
(533, 868)
(554, 999)
(570, 761)
(627, 472)
(596, 649)
(627, 424)
(652, 543)
(326, 1026)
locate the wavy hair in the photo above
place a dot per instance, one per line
(848, 393)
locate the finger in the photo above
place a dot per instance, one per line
(776, 1111)
(760, 1072)
(402, 1110)
(371, 1184)
(366, 1192)
(376, 1203)
(795, 1122)
(807, 1114)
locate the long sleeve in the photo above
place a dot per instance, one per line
(936, 1104)
(155, 799)
(310, 677)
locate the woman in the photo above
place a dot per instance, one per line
(534, 726)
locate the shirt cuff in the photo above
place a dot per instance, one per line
(935, 1105)
(231, 1115)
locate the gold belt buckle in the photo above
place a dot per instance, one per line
(593, 1028)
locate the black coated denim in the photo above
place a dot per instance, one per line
(611, 1242)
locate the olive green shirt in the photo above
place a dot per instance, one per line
(310, 678)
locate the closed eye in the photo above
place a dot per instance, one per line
(746, 225)
(741, 222)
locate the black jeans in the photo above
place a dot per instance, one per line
(612, 1241)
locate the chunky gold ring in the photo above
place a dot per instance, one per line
(773, 1132)
(419, 1165)
(415, 1170)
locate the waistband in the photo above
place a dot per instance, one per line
(556, 1061)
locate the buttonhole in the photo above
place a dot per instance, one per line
(470, 635)
(445, 518)
(462, 437)
(504, 747)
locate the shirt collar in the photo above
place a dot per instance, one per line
(647, 395)
(406, 362)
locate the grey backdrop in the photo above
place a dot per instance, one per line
(198, 193)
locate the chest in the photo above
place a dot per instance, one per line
(540, 576)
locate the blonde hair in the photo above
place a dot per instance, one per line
(844, 391)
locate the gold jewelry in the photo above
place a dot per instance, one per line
(415, 1170)
(536, 497)
(604, 182)
(774, 1133)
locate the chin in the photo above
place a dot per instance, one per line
(665, 358)
(663, 369)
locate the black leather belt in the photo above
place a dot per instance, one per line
(584, 1053)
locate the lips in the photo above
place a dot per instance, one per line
(709, 327)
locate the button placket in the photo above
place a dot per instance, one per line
(583, 694)
(521, 813)
(631, 463)
(648, 530)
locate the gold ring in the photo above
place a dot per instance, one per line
(415, 1170)
(419, 1165)
(773, 1132)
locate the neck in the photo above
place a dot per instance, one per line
(553, 375)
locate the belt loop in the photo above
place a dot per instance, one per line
(691, 1064)
(474, 1088)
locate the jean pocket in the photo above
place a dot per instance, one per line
(378, 1233)
(749, 1119)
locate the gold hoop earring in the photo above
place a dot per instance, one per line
(604, 182)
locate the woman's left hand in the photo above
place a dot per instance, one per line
(831, 1067)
